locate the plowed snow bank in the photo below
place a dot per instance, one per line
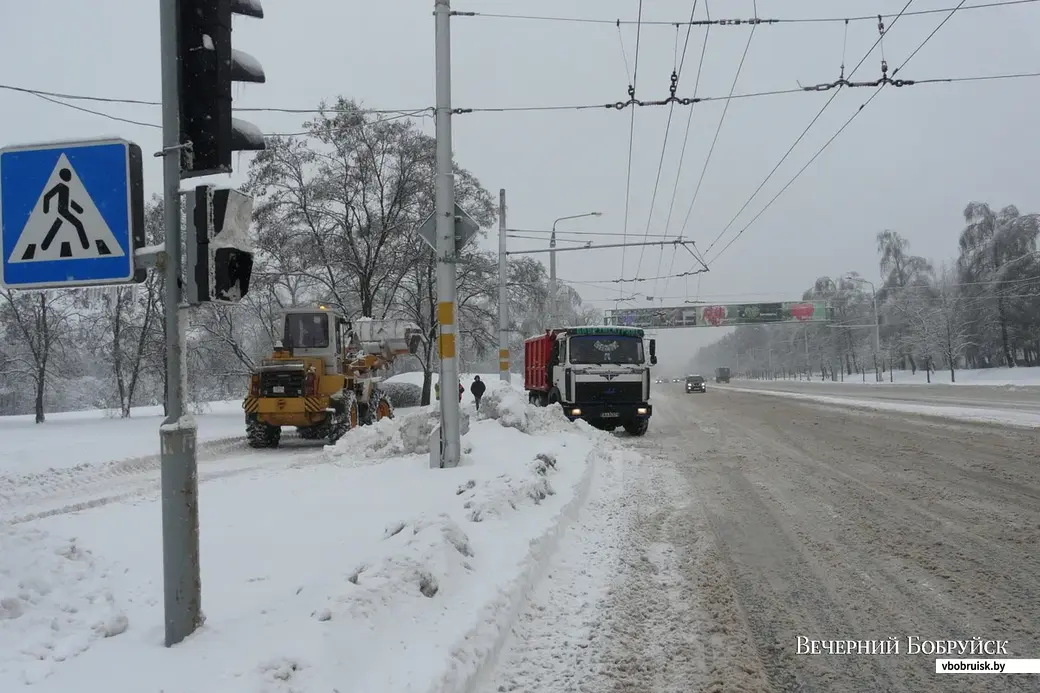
(362, 569)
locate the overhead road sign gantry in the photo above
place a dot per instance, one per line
(71, 214)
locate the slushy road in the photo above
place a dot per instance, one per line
(755, 519)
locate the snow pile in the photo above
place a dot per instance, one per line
(510, 408)
(405, 434)
(507, 492)
(54, 603)
(423, 555)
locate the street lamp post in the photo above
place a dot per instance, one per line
(552, 261)
(877, 323)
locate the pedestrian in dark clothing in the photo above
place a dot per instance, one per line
(477, 388)
(462, 391)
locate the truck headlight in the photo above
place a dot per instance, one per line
(575, 412)
(641, 410)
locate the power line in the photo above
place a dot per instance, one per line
(682, 153)
(718, 130)
(631, 136)
(580, 233)
(840, 130)
(881, 35)
(673, 87)
(755, 21)
(47, 96)
(262, 109)
(61, 99)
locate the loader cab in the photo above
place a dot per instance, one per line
(315, 333)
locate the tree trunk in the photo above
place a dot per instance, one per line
(117, 355)
(41, 379)
(427, 384)
(1009, 357)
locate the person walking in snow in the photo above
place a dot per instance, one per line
(462, 391)
(477, 388)
(437, 389)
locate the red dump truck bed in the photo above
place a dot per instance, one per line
(536, 357)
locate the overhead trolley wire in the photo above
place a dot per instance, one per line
(836, 134)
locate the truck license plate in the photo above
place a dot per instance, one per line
(610, 415)
(278, 389)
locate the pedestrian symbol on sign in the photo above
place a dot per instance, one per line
(65, 224)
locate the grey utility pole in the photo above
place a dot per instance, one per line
(182, 580)
(503, 292)
(552, 262)
(445, 247)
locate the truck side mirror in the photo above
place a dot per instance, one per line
(653, 352)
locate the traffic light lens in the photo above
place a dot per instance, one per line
(231, 272)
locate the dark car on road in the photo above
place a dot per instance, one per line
(696, 383)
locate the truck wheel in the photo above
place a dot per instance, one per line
(637, 427)
(261, 435)
(345, 418)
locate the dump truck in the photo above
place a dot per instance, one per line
(598, 374)
(323, 375)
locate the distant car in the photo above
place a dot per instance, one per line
(696, 383)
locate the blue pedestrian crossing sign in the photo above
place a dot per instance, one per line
(71, 214)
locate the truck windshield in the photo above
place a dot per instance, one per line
(307, 330)
(606, 349)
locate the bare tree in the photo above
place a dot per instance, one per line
(38, 324)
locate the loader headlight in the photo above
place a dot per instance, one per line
(641, 410)
(575, 412)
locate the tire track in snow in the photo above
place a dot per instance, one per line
(59, 491)
(636, 601)
(557, 638)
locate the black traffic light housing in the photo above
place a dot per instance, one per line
(207, 66)
(219, 250)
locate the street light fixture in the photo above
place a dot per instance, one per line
(877, 322)
(552, 260)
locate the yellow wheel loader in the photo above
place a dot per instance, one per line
(323, 377)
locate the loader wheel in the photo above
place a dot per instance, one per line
(379, 408)
(637, 427)
(345, 418)
(261, 435)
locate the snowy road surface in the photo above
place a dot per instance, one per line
(754, 520)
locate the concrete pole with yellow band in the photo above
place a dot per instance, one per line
(503, 292)
(450, 429)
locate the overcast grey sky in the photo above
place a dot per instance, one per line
(909, 162)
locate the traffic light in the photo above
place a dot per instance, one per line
(208, 66)
(219, 250)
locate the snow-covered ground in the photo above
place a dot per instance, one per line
(1026, 377)
(354, 567)
(69, 439)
